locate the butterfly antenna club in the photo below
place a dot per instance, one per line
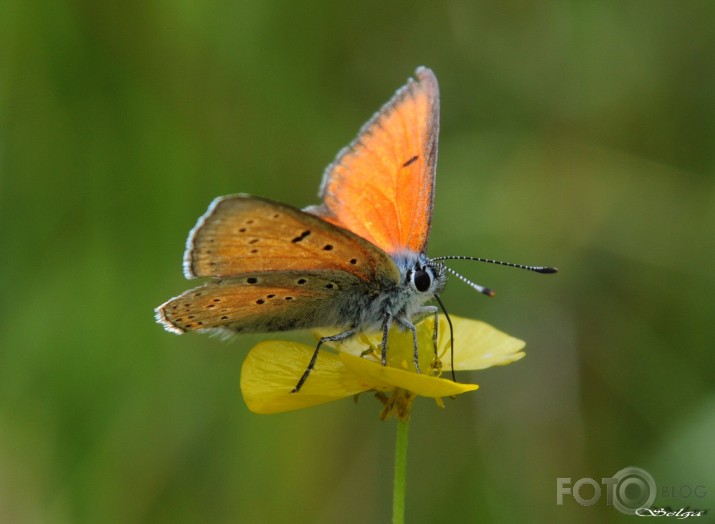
(477, 287)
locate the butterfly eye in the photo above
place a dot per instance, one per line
(422, 280)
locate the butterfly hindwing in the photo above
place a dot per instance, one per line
(381, 186)
(263, 302)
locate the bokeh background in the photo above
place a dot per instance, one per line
(575, 134)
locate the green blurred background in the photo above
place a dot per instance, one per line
(575, 134)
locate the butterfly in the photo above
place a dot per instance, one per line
(355, 263)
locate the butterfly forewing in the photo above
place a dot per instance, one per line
(381, 186)
(262, 302)
(241, 235)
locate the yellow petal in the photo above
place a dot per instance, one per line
(272, 368)
(382, 377)
(477, 345)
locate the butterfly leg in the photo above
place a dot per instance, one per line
(451, 334)
(415, 355)
(435, 333)
(431, 310)
(333, 338)
(385, 331)
(424, 312)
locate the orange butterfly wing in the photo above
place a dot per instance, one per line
(381, 186)
(241, 234)
(275, 268)
(261, 303)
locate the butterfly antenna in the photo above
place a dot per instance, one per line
(536, 269)
(451, 335)
(477, 287)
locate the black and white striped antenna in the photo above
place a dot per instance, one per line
(485, 290)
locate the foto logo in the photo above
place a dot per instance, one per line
(628, 490)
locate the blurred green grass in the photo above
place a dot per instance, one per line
(577, 134)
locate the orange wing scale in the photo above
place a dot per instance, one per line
(381, 186)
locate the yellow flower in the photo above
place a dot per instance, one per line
(273, 367)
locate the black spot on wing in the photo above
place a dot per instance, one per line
(300, 237)
(410, 161)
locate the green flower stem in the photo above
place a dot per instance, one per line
(398, 491)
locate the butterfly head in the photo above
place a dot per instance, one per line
(420, 275)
